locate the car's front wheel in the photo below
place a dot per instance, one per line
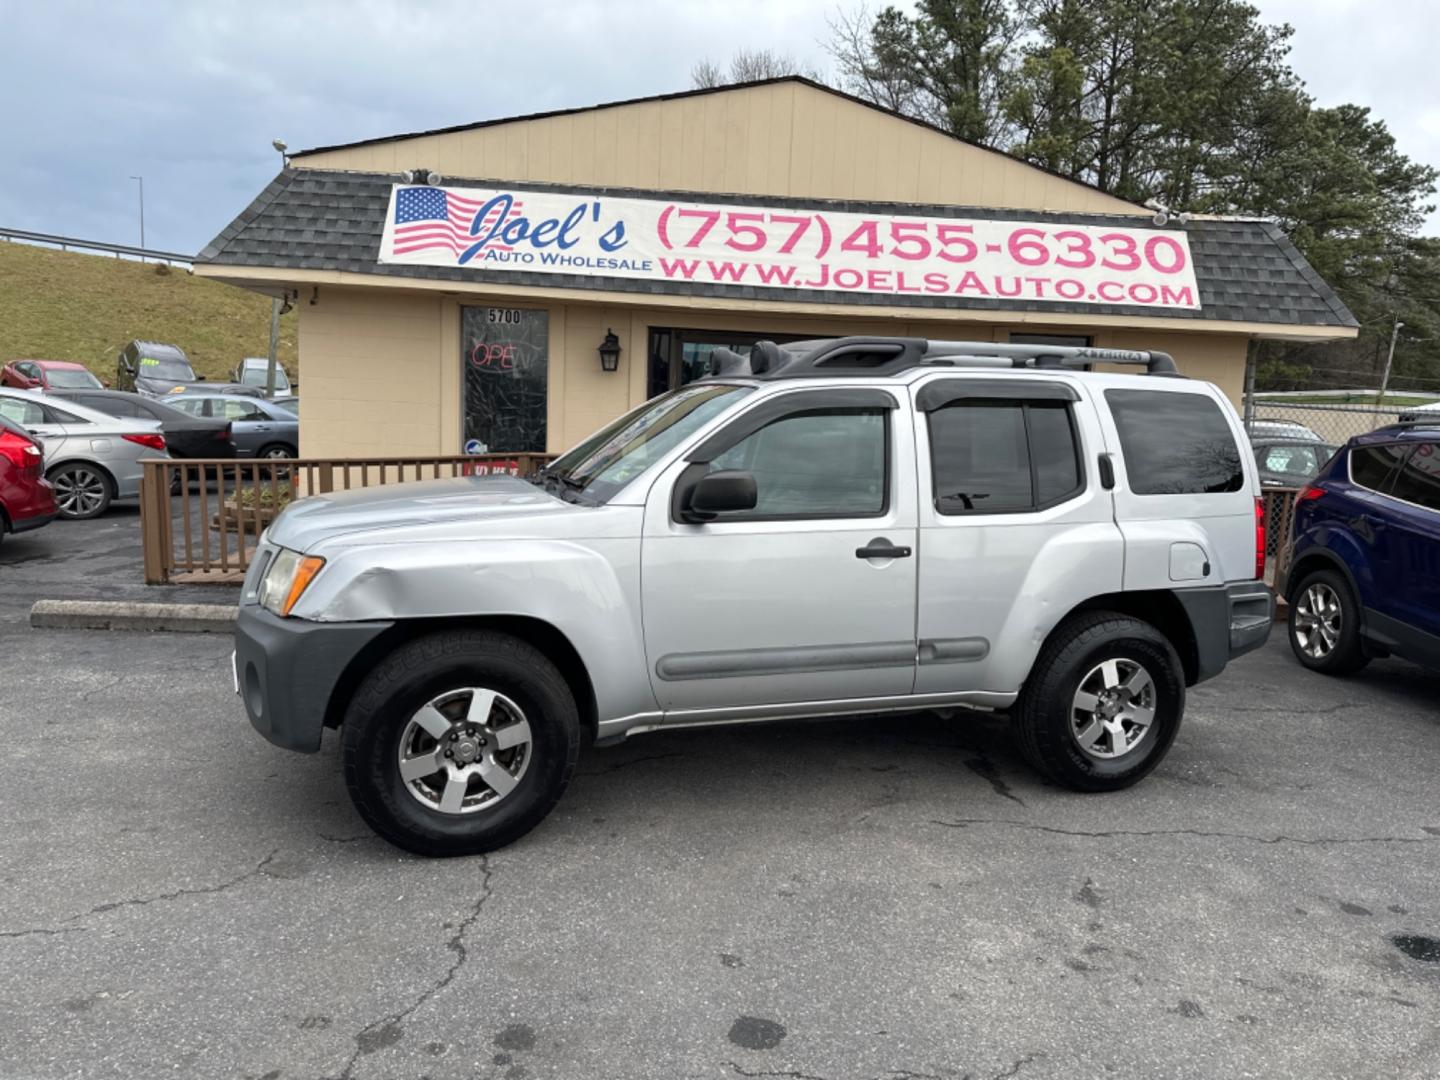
(1325, 625)
(1103, 702)
(81, 491)
(460, 742)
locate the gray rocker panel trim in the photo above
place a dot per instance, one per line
(953, 650)
(738, 663)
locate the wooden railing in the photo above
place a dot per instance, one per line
(1279, 518)
(201, 519)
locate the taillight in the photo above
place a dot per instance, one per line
(1310, 494)
(153, 442)
(1259, 539)
(18, 450)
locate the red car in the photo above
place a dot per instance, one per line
(27, 500)
(48, 375)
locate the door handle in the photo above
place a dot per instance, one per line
(880, 548)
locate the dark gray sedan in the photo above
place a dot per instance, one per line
(260, 428)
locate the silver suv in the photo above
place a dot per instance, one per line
(857, 525)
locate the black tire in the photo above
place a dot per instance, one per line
(418, 672)
(275, 452)
(1045, 716)
(1346, 655)
(92, 478)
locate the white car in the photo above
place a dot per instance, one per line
(861, 525)
(90, 458)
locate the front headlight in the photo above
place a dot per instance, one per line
(289, 574)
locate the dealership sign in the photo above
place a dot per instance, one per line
(788, 248)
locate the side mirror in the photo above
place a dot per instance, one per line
(199, 378)
(721, 492)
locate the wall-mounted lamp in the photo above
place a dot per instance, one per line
(610, 351)
(427, 177)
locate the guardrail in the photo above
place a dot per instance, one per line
(201, 519)
(64, 243)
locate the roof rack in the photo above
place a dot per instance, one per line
(849, 356)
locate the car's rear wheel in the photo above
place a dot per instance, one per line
(1325, 624)
(81, 490)
(1103, 702)
(460, 743)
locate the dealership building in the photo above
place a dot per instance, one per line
(512, 285)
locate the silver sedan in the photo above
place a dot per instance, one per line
(90, 457)
(260, 428)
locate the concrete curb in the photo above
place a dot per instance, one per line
(131, 615)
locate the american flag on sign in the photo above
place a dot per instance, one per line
(427, 217)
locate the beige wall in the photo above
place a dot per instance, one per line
(784, 139)
(381, 368)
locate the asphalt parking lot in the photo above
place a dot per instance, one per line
(865, 898)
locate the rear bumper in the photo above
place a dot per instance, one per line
(286, 671)
(1228, 621)
(20, 525)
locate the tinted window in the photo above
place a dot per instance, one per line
(1372, 466)
(112, 406)
(825, 463)
(1175, 443)
(60, 416)
(994, 457)
(1419, 479)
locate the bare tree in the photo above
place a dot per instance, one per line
(750, 65)
(861, 71)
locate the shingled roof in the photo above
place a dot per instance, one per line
(313, 219)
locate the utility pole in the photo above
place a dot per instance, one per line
(142, 211)
(1389, 359)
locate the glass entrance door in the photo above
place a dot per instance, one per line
(679, 356)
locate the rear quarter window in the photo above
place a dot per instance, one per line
(1175, 443)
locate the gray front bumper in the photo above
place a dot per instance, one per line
(287, 669)
(1228, 621)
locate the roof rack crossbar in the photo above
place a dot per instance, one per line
(1069, 356)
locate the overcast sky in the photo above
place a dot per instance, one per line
(189, 95)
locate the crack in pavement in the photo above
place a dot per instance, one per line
(1014, 1069)
(986, 769)
(42, 930)
(790, 1074)
(1279, 838)
(141, 901)
(386, 1030)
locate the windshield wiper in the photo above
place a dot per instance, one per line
(566, 487)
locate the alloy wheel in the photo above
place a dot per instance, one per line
(465, 750)
(1317, 620)
(78, 491)
(1113, 708)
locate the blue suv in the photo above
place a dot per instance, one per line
(1364, 575)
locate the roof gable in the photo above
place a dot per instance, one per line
(787, 137)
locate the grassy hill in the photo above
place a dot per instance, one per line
(62, 305)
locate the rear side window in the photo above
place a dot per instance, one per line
(1373, 466)
(1175, 443)
(993, 456)
(1419, 479)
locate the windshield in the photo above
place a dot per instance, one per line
(71, 379)
(155, 367)
(256, 376)
(613, 456)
